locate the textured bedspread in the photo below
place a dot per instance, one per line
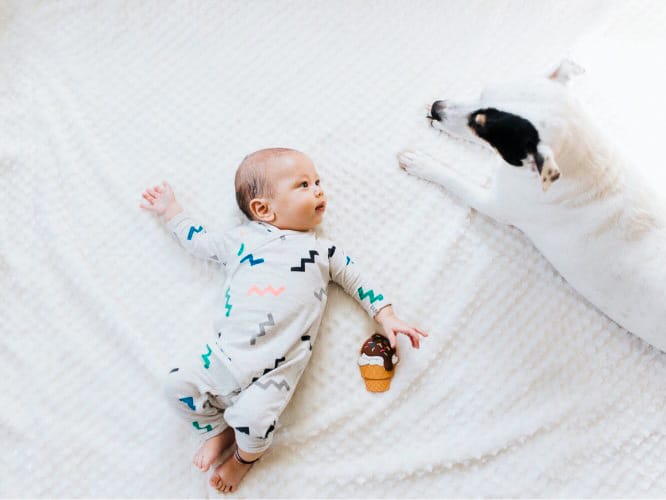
(522, 388)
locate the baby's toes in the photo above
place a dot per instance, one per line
(217, 481)
(205, 463)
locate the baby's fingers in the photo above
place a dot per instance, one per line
(150, 208)
(166, 188)
(413, 337)
(421, 332)
(390, 335)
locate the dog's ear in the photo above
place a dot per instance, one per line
(566, 71)
(547, 166)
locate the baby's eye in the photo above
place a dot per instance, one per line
(317, 182)
(304, 184)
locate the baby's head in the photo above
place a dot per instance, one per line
(281, 187)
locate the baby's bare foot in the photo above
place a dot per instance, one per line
(228, 476)
(212, 448)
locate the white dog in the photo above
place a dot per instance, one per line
(562, 184)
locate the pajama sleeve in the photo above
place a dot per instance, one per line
(346, 273)
(194, 238)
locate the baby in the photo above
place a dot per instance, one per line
(275, 293)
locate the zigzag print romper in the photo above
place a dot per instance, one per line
(274, 297)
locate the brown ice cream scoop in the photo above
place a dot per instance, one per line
(377, 362)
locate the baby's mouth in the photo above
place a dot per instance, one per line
(321, 207)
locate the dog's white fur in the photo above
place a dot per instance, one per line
(600, 224)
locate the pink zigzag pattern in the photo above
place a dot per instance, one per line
(268, 289)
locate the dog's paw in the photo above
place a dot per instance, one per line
(413, 162)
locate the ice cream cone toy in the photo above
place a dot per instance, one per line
(377, 363)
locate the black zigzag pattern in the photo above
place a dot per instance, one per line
(277, 363)
(305, 260)
(270, 429)
(306, 338)
(246, 430)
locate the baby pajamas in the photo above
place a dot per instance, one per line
(274, 298)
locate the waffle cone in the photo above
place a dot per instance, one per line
(376, 378)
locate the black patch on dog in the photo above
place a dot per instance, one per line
(512, 136)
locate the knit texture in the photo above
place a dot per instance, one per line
(522, 389)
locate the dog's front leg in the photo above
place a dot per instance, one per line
(481, 198)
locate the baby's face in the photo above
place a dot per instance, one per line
(299, 201)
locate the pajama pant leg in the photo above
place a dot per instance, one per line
(199, 391)
(255, 413)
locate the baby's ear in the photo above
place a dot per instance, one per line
(261, 210)
(547, 166)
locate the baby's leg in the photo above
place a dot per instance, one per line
(252, 438)
(187, 393)
(228, 476)
(253, 417)
(213, 448)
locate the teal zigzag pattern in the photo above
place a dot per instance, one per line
(198, 427)
(370, 294)
(206, 357)
(194, 230)
(250, 258)
(227, 305)
(189, 401)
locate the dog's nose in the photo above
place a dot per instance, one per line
(437, 110)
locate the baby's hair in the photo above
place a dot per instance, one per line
(253, 179)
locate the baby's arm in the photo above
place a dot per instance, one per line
(347, 274)
(191, 235)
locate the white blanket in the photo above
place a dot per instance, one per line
(522, 388)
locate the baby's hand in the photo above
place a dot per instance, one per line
(393, 325)
(161, 200)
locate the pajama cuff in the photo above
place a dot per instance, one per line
(378, 307)
(252, 444)
(215, 430)
(172, 224)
